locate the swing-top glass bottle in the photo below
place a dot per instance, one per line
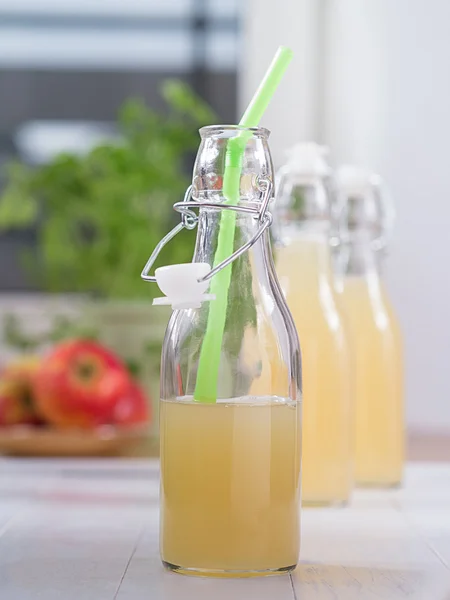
(365, 216)
(230, 424)
(303, 263)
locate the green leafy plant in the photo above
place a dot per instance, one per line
(99, 215)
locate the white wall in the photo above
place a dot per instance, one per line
(418, 168)
(295, 110)
(386, 104)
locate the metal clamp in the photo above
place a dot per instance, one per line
(189, 220)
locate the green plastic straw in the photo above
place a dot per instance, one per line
(208, 369)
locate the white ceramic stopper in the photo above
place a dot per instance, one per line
(181, 287)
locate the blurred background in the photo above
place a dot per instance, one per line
(85, 85)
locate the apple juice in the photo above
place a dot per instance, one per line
(230, 485)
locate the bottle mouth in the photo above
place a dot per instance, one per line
(230, 131)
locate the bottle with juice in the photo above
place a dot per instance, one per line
(230, 417)
(365, 221)
(303, 263)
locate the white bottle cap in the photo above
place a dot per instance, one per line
(356, 181)
(308, 159)
(181, 287)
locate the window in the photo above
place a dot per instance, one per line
(75, 62)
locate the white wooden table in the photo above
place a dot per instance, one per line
(72, 530)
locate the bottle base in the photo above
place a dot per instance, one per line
(226, 573)
(383, 485)
(325, 503)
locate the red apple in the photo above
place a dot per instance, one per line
(132, 408)
(16, 392)
(79, 384)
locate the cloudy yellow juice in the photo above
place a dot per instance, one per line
(376, 341)
(304, 271)
(230, 485)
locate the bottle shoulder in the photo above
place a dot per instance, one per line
(367, 304)
(315, 298)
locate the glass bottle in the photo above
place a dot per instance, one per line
(303, 263)
(230, 467)
(366, 218)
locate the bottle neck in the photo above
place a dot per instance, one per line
(303, 220)
(241, 226)
(301, 202)
(318, 229)
(361, 260)
(249, 274)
